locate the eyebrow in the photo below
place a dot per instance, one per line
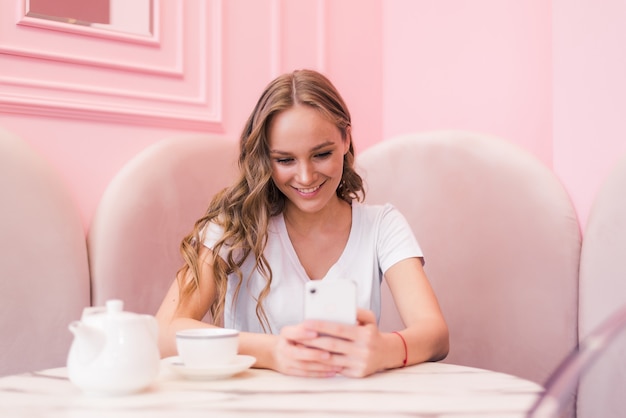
(315, 148)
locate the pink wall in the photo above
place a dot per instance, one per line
(90, 101)
(589, 89)
(544, 75)
(482, 65)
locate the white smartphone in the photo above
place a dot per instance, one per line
(330, 301)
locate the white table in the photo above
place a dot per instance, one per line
(426, 390)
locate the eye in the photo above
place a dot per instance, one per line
(323, 155)
(284, 161)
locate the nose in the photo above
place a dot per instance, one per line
(305, 173)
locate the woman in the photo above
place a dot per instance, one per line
(294, 215)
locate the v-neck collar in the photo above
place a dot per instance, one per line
(343, 260)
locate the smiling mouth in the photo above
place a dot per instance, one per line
(309, 190)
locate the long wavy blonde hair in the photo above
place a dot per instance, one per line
(243, 209)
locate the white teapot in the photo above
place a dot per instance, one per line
(113, 352)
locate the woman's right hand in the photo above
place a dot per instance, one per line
(293, 357)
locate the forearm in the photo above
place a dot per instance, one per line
(425, 341)
(426, 332)
(260, 346)
(167, 333)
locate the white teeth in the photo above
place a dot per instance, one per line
(311, 190)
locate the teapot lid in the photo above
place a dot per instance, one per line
(114, 305)
(113, 309)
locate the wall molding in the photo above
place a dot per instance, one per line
(60, 70)
(152, 39)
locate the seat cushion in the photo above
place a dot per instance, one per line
(501, 241)
(44, 273)
(145, 212)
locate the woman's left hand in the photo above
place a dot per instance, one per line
(357, 349)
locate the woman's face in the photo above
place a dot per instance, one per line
(306, 151)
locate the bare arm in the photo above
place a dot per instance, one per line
(173, 316)
(362, 350)
(426, 331)
(278, 352)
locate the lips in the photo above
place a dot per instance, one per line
(309, 190)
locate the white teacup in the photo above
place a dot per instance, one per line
(207, 347)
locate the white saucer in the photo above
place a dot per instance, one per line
(238, 365)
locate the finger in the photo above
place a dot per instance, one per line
(365, 316)
(336, 347)
(310, 353)
(329, 328)
(305, 361)
(298, 333)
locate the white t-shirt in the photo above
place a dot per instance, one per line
(379, 237)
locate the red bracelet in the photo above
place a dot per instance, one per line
(406, 351)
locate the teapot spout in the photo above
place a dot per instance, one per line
(88, 342)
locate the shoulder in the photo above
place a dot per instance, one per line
(372, 213)
(384, 220)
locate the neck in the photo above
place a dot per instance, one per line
(332, 217)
